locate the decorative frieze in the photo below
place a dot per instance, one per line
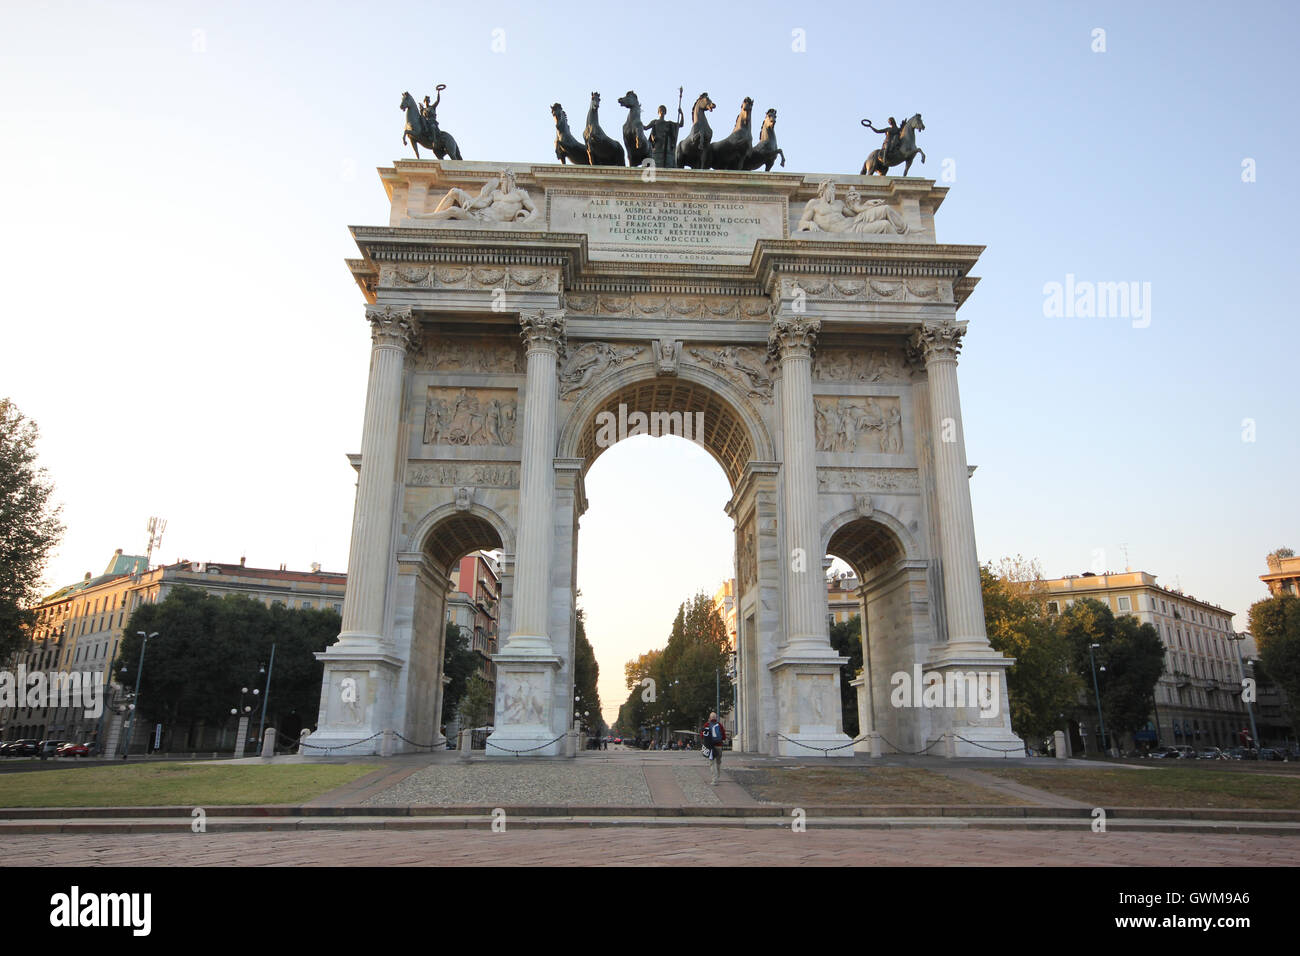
(884, 366)
(867, 289)
(674, 307)
(480, 416)
(459, 474)
(873, 424)
(483, 356)
(485, 277)
(867, 479)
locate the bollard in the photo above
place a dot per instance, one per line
(571, 741)
(1062, 745)
(268, 743)
(302, 738)
(875, 744)
(386, 743)
(465, 743)
(950, 745)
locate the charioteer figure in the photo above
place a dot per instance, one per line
(892, 133)
(663, 136)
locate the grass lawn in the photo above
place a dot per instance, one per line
(191, 785)
(865, 786)
(1164, 787)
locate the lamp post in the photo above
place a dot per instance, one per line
(244, 711)
(266, 696)
(135, 703)
(1097, 690)
(1241, 666)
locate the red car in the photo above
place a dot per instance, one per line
(73, 750)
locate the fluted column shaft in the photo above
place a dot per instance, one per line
(963, 598)
(791, 342)
(393, 332)
(542, 333)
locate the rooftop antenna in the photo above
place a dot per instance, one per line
(156, 528)
(1127, 566)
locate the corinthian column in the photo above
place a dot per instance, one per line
(791, 341)
(393, 333)
(939, 344)
(542, 333)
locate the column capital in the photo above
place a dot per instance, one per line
(393, 326)
(793, 337)
(542, 329)
(936, 342)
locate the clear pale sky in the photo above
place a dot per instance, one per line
(176, 181)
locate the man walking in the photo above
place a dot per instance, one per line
(714, 734)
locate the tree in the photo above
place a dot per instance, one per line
(1042, 684)
(459, 662)
(1131, 655)
(586, 672)
(476, 703)
(207, 648)
(846, 638)
(29, 525)
(1275, 625)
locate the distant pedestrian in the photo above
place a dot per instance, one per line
(712, 737)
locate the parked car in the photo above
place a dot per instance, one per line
(1184, 752)
(1268, 753)
(1212, 753)
(49, 748)
(73, 750)
(23, 748)
(1162, 753)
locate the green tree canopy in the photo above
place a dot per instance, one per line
(846, 638)
(29, 525)
(1275, 625)
(586, 673)
(209, 647)
(460, 663)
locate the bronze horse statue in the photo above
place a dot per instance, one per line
(601, 150)
(694, 150)
(766, 151)
(634, 138)
(426, 132)
(730, 153)
(567, 146)
(905, 150)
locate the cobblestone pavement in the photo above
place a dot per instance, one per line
(503, 784)
(643, 846)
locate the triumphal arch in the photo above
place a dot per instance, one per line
(802, 328)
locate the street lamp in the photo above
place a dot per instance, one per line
(135, 704)
(1241, 666)
(1097, 690)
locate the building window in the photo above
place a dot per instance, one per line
(1053, 607)
(1124, 603)
(306, 605)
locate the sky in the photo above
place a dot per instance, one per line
(177, 179)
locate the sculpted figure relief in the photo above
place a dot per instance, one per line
(850, 365)
(480, 418)
(586, 363)
(497, 202)
(469, 356)
(853, 214)
(742, 365)
(842, 423)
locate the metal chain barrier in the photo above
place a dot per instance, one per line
(328, 750)
(1000, 750)
(429, 747)
(530, 749)
(911, 753)
(824, 750)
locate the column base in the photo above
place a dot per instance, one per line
(969, 701)
(357, 693)
(526, 718)
(809, 720)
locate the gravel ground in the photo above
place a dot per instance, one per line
(694, 783)
(507, 785)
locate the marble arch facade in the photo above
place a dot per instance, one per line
(820, 365)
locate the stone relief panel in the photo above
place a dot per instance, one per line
(869, 289)
(733, 308)
(859, 424)
(588, 362)
(486, 277)
(813, 691)
(348, 693)
(747, 558)
(860, 365)
(832, 480)
(449, 474)
(451, 354)
(744, 366)
(470, 416)
(523, 698)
